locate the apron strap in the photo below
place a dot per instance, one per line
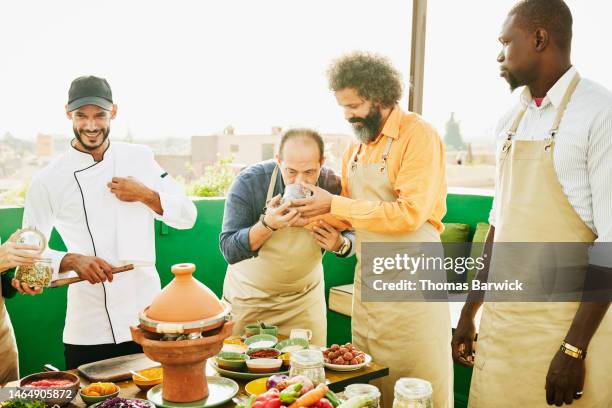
(564, 102)
(512, 131)
(560, 111)
(272, 185)
(387, 149)
(385, 155)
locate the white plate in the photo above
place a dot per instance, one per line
(337, 367)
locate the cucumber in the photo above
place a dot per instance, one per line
(358, 401)
(333, 398)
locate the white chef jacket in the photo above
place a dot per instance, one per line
(71, 194)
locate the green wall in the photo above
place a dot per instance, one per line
(39, 320)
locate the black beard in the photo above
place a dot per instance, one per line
(368, 131)
(105, 132)
(512, 81)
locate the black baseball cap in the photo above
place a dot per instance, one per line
(89, 90)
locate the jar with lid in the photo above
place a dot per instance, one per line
(40, 273)
(355, 390)
(413, 393)
(308, 363)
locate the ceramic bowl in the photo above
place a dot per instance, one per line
(269, 353)
(93, 399)
(67, 392)
(155, 376)
(251, 330)
(289, 345)
(261, 341)
(231, 361)
(286, 359)
(264, 365)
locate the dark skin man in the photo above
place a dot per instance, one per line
(535, 59)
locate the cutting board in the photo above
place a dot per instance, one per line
(117, 368)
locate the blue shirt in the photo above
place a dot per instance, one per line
(246, 201)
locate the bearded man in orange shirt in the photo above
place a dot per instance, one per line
(393, 190)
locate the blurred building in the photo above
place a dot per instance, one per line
(44, 145)
(246, 149)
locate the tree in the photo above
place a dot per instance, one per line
(452, 138)
(216, 180)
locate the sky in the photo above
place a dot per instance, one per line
(193, 67)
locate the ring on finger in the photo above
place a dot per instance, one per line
(578, 394)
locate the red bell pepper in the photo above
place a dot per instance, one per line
(269, 399)
(323, 403)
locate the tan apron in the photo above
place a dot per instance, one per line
(411, 338)
(9, 363)
(517, 341)
(282, 286)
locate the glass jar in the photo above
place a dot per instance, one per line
(354, 390)
(309, 363)
(413, 393)
(39, 274)
(32, 237)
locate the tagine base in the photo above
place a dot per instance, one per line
(183, 362)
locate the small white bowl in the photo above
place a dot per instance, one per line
(264, 365)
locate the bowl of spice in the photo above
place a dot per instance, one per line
(261, 341)
(263, 353)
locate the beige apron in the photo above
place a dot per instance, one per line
(411, 338)
(282, 286)
(517, 341)
(9, 365)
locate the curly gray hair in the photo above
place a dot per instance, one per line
(371, 75)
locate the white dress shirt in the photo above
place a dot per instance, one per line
(583, 147)
(71, 194)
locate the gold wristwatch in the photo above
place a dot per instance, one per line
(344, 248)
(572, 351)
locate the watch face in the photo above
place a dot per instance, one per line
(345, 246)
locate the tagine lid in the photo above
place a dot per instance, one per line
(185, 299)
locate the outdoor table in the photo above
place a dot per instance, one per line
(336, 381)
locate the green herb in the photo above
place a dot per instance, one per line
(22, 403)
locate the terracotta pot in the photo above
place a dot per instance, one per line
(185, 299)
(184, 362)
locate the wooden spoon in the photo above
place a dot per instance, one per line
(69, 281)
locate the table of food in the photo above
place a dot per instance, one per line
(191, 359)
(258, 371)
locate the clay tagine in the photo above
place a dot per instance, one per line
(183, 327)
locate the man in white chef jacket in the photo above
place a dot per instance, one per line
(103, 198)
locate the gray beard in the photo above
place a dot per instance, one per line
(364, 134)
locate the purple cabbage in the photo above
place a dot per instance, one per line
(275, 380)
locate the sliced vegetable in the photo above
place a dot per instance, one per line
(311, 397)
(358, 401)
(291, 393)
(333, 398)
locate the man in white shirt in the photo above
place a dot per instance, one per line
(553, 186)
(103, 198)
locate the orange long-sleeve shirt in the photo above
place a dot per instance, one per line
(416, 166)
